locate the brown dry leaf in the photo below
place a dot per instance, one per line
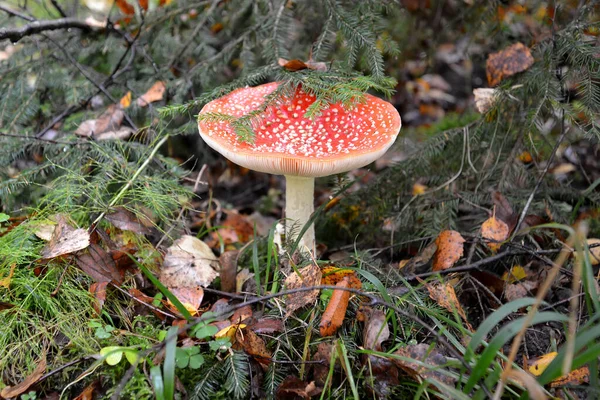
(445, 296)
(14, 391)
(191, 298)
(411, 266)
(519, 290)
(241, 314)
(293, 388)
(128, 221)
(65, 240)
(99, 265)
(254, 345)
(503, 210)
(5, 282)
(190, 263)
(110, 120)
(334, 314)
(88, 392)
(306, 277)
(298, 65)
(235, 229)
(534, 389)
(484, 99)
(421, 352)
(155, 93)
(146, 300)
(228, 272)
(507, 62)
(98, 290)
(332, 275)
(268, 325)
(495, 231)
(450, 249)
(121, 134)
(376, 330)
(241, 278)
(320, 371)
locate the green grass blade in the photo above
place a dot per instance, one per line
(157, 382)
(169, 364)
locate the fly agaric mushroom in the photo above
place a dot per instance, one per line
(287, 143)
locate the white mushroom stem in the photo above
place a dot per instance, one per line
(299, 205)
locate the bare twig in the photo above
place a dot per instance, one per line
(34, 27)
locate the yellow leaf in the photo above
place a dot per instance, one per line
(594, 252)
(5, 282)
(125, 100)
(496, 231)
(515, 274)
(539, 366)
(229, 332)
(418, 188)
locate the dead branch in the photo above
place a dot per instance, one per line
(34, 27)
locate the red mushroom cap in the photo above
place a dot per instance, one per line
(287, 143)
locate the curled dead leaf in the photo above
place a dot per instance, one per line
(444, 295)
(15, 391)
(65, 240)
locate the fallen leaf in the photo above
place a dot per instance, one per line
(320, 371)
(235, 229)
(515, 274)
(298, 65)
(563, 169)
(88, 392)
(5, 282)
(98, 290)
(110, 120)
(65, 240)
(128, 221)
(305, 277)
(593, 252)
(332, 275)
(254, 345)
(99, 265)
(449, 250)
(121, 134)
(423, 353)
(411, 266)
(519, 290)
(229, 332)
(268, 325)
(539, 365)
(334, 314)
(495, 231)
(507, 62)
(503, 210)
(484, 99)
(241, 314)
(376, 330)
(190, 263)
(241, 278)
(146, 300)
(125, 100)
(418, 188)
(293, 388)
(444, 295)
(190, 297)
(155, 93)
(14, 391)
(228, 271)
(45, 230)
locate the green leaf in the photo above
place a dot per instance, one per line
(221, 344)
(113, 354)
(182, 358)
(203, 330)
(4, 217)
(196, 361)
(131, 356)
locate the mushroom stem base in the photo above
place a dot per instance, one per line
(299, 205)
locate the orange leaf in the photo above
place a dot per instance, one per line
(254, 345)
(495, 231)
(449, 250)
(5, 282)
(292, 65)
(507, 62)
(445, 296)
(155, 93)
(334, 314)
(98, 289)
(125, 100)
(15, 391)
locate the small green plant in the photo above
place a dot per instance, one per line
(30, 395)
(102, 331)
(188, 357)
